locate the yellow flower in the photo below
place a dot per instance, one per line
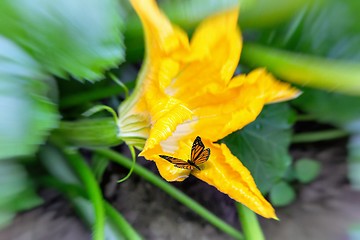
(185, 89)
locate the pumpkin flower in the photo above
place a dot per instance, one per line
(187, 89)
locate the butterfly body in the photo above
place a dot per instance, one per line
(199, 155)
(191, 163)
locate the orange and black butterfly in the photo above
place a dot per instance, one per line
(199, 155)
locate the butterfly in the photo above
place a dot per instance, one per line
(199, 155)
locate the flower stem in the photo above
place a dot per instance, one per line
(72, 191)
(306, 70)
(79, 165)
(98, 132)
(318, 136)
(250, 223)
(172, 191)
(121, 223)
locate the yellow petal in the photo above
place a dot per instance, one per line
(160, 36)
(221, 111)
(225, 172)
(215, 52)
(268, 87)
(173, 115)
(166, 169)
(166, 51)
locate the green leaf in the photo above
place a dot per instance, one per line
(16, 191)
(264, 13)
(317, 48)
(82, 38)
(307, 170)
(282, 194)
(326, 28)
(26, 112)
(289, 175)
(329, 107)
(262, 146)
(26, 200)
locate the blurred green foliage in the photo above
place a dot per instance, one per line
(66, 180)
(329, 107)
(282, 194)
(354, 159)
(27, 113)
(59, 37)
(44, 42)
(81, 38)
(306, 170)
(17, 192)
(327, 28)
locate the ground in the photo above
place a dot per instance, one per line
(324, 209)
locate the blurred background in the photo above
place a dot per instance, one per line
(59, 59)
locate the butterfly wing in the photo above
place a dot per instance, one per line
(199, 155)
(197, 148)
(203, 157)
(177, 162)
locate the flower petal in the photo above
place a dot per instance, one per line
(166, 169)
(160, 35)
(225, 172)
(219, 112)
(269, 88)
(185, 90)
(167, 49)
(215, 52)
(174, 113)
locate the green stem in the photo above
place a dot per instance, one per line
(72, 191)
(306, 70)
(133, 156)
(77, 163)
(172, 191)
(92, 95)
(126, 229)
(98, 132)
(319, 136)
(250, 224)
